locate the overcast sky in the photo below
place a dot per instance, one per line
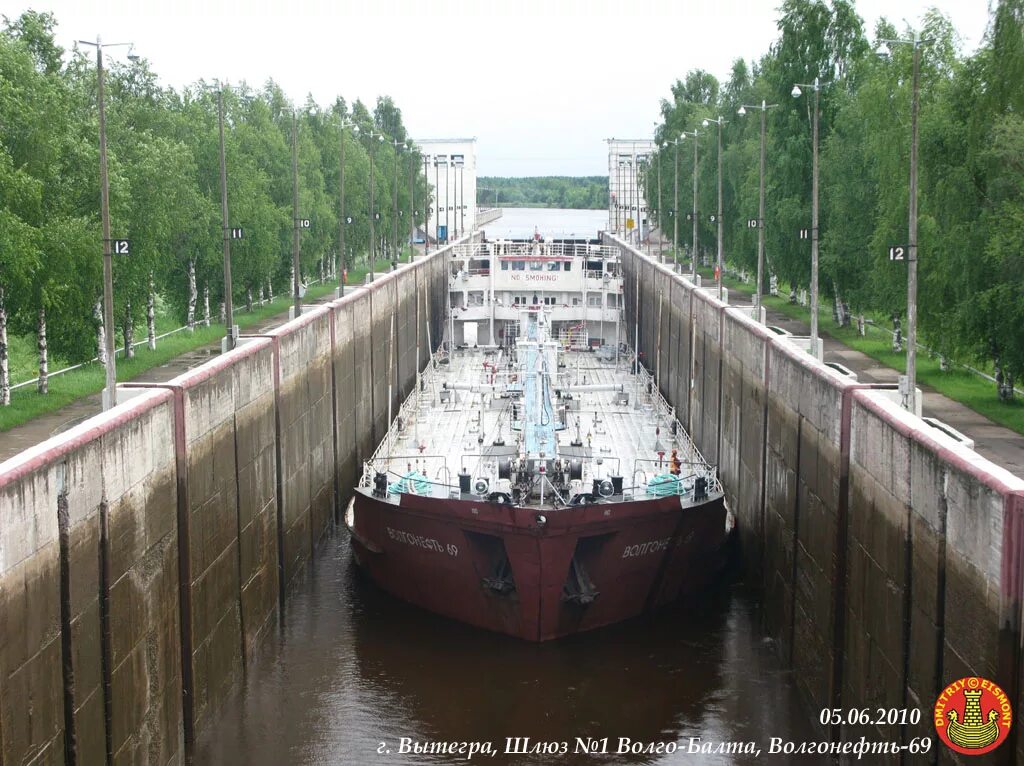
(539, 83)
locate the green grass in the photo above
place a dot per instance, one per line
(27, 403)
(957, 383)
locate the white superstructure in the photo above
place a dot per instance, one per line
(579, 285)
(450, 167)
(627, 159)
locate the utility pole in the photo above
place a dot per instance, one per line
(760, 215)
(675, 208)
(696, 222)
(760, 207)
(814, 209)
(297, 299)
(721, 266)
(912, 239)
(661, 255)
(225, 230)
(413, 162)
(108, 266)
(814, 225)
(426, 205)
(373, 237)
(342, 265)
(395, 254)
(110, 367)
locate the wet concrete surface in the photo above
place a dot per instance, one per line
(353, 671)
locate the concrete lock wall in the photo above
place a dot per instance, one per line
(146, 554)
(891, 558)
(88, 592)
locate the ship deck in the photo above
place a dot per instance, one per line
(461, 419)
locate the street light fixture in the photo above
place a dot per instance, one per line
(910, 386)
(342, 219)
(110, 388)
(440, 161)
(459, 161)
(395, 252)
(796, 93)
(721, 266)
(764, 107)
(226, 232)
(296, 222)
(675, 202)
(373, 244)
(696, 225)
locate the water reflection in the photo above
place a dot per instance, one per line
(354, 671)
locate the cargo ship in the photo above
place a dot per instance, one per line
(538, 485)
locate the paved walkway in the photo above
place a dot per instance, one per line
(991, 440)
(996, 443)
(43, 427)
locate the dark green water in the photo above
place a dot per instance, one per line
(353, 671)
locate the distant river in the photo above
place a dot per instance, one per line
(521, 222)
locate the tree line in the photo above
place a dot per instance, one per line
(971, 177)
(577, 193)
(164, 177)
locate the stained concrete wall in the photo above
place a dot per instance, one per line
(88, 551)
(890, 557)
(305, 436)
(147, 553)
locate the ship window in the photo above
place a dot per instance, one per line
(518, 266)
(549, 301)
(567, 265)
(536, 265)
(594, 300)
(553, 266)
(575, 301)
(504, 265)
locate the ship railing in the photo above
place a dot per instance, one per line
(662, 409)
(398, 467)
(693, 468)
(507, 248)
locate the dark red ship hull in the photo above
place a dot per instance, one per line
(498, 567)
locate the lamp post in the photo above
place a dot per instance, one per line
(110, 388)
(675, 204)
(373, 248)
(460, 164)
(296, 223)
(440, 160)
(413, 164)
(426, 206)
(910, 395)
(694, 134)
(721, 267)
(760, 204)
(620, 202)
(797, 92)
(395, 253)
(342, 220)
(661, 255)
(226, 232)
